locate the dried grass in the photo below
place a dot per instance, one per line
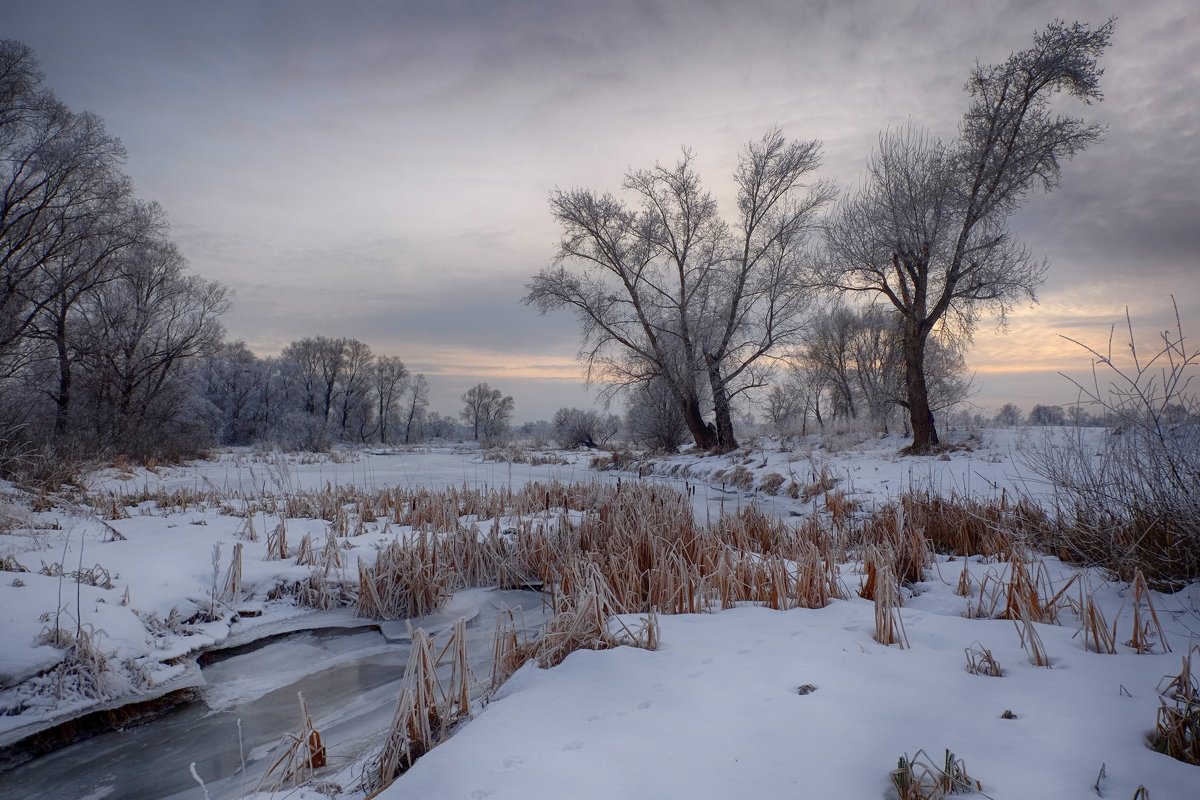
(1031, 595)
(297, 756)
(1097, 635)
(889, 627)
(231, 594)
(1030, 640)
(426, 711)
(305, 555)
(981, 662)
(277, 547)
(919, 778)
(1145, 631)
(1177, 730)
(85, 670)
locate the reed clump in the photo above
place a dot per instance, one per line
(427, 710)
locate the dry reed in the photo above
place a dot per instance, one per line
(1177, 731)
(889, 627)
(981, 662)
(919, 778)
(1097, 635)
(1145, 630)
(426, 712)
(1030, 640)
(297, 756)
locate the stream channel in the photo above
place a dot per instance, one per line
(350, 680)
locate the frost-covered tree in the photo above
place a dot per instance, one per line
(389, 378)
(416, 404)
(851, 367)
(318, 364)
(354, 386)
(140, 341)
(233, 379)
(60, 184)
(667, 290)
(928, 229)
(1009, 416)
(486, 411)
(1047, 415)
(654, 419)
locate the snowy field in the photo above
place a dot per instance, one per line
(772, 704)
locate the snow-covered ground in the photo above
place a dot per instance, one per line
(714, 711)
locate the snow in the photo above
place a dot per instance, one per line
(715, 711)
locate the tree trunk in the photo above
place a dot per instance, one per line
(924, 432)
(722, 411)
(62, 400)
(703, 433)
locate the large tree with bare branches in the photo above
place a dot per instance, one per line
(667, 290)
(928, 230)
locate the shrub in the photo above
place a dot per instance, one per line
(1136, 504)
(771, 483)
(578, 427)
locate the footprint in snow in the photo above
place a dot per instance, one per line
(574, 744)
(644, 705)
(512, 762)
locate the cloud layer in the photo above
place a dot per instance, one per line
(380, 170)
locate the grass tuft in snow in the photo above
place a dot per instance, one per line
(1177, 732)
(981, 662)
(889, 627)
(918, 778)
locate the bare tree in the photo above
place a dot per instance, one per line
(784, 408)
(415, 406)
(1047, 415)
(58, 176)
(828, 352)
(653, 418)
(389, 377)
(667, 291)
(762, 287)
(1009, 416)
(355, 383)
(76, 271)
(928, 229)
(140, 333)
(234, 379)
(319, 361)
(487, 411)
(441, 426)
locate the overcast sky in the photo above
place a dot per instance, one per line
(381, 170)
